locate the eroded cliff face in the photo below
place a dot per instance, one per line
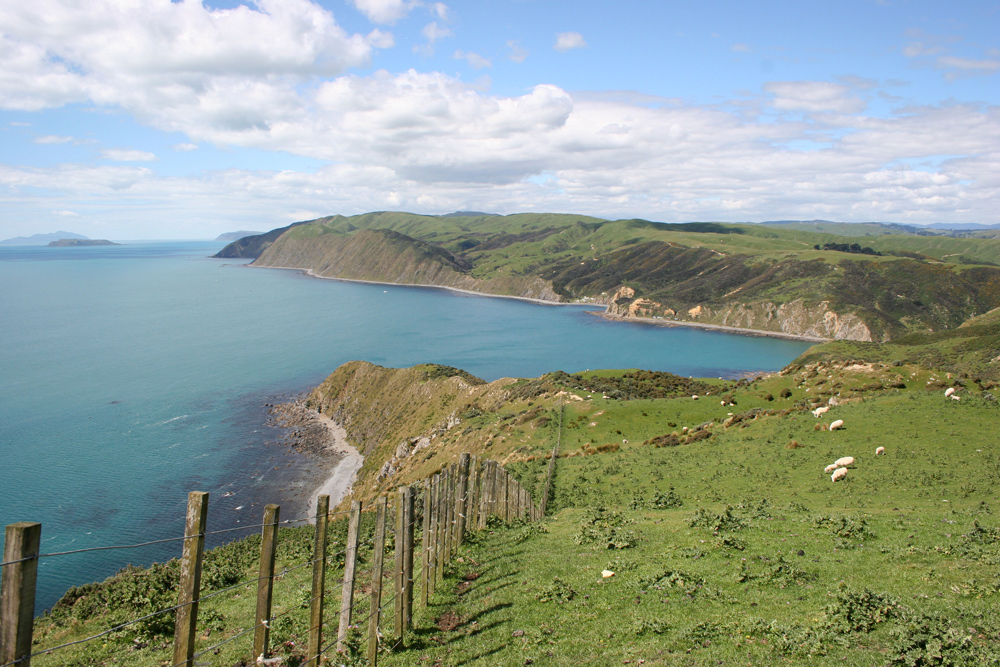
(389, 257)
(794, 318)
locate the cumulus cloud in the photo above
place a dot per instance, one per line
(127, 155)
(813, 96)
(567, 41)
(143, 55)
(475, 60)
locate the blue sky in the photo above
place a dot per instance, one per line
(131, 119)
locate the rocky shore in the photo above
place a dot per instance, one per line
(316, 435)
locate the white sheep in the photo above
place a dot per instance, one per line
(956, 397)
(838, 474)
(821, 410)
(695, 397)
(830, 468)
(844, 461)
(837, 424)
(949, 391)
(879, 451)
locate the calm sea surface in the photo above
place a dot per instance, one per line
(132, 374)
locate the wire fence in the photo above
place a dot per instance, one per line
(457, 499)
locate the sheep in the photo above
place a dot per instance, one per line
(879, 451)
(695, 397)
(838, 474)
(956, 397)
(837, 424)
(830, 468)
(844, 461)
(949, 391)
(821, 410)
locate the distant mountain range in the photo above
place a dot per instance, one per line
(42, 239)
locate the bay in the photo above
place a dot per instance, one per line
(133, 374)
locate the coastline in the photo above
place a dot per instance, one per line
(321, 437)
(715, 327)
(544, 302)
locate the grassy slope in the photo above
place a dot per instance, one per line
(902, 527)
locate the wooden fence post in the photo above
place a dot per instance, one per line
(265, 582)
(425, 578)
(17, 591)
(190, 578)
(318, 582)
(350, 566)
(462, 497)
(472, 506)
(408, 521)
(397, 573)
(435, 552)
(376, 600)
(449, 515)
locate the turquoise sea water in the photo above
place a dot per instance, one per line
(132, 374)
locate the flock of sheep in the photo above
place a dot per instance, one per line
(839, 467)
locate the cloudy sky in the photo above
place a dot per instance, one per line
(131, 119)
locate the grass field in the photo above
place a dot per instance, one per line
(728, 546)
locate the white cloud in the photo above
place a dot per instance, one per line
(813, 96)
(434, 33)
(516, 52)
(66, 214)
(127, 155)
(475, 60)
(52, 139)
(384, 11)
(441, 11)
(567, 41)
(185, 147)
(145, 56)
(740, 48)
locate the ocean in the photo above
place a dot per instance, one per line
(133, 374)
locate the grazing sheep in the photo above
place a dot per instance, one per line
(830, 468)
(956, 397)
(844, 461)
(695, 397)
(838, 474)
(879, 451)
(837, 424)
(821, 410)
(949, 391)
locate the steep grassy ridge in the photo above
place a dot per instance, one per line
(751, 276)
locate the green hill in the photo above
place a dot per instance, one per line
(797, 279)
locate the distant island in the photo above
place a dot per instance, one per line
(41, 239)
(77, 243)
(229, 237)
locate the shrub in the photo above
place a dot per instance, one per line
(607, 528)
(860, 612)
(558, 591)
(727, 520)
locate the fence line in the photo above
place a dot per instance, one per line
(460, 497)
